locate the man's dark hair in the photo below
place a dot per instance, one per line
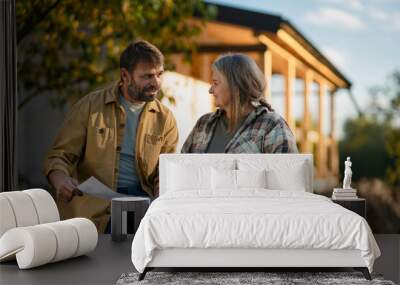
(140, 51)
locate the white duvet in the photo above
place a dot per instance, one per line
(253, 218)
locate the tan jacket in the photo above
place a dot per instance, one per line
(89, 144)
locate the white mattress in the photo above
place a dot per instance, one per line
(252, 218)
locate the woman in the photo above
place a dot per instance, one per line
(244, 122)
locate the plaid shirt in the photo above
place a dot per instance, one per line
(261, 132)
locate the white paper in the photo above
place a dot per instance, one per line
(94, 187)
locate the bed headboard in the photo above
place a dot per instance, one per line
(284, 163)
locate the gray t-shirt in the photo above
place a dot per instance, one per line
(128, 176)
(221, 136)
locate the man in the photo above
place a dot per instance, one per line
(115, 134)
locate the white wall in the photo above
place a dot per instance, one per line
(192, 101)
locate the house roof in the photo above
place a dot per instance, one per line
(264, 22)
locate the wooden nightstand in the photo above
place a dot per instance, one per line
(357, 205)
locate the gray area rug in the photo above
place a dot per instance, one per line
(229, 278)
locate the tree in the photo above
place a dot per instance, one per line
(364, 141)
(373, 140)
(391, 116)
(69, 47)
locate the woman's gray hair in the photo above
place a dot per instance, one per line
(246, 83)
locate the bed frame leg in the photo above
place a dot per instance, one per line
(364, 271)
(143, 274)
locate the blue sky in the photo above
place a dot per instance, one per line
(361, 37)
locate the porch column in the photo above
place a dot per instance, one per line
(196, 66)
(267, 64)
(211, 58)
(205, 73)
(334, 167)
(289, 77)
(321, 151)
(305, 144)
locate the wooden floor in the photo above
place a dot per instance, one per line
(106, 264)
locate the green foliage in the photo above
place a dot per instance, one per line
(392, 116)
(373, 141)
(70, 47)
(393, 147)
(364, 142)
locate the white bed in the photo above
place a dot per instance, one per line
(241, 210)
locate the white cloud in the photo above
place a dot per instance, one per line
(336, 56)
(355, 4)
(368, 10)
(391, 20)
(396, 20)
(377, 14)
(332, 17)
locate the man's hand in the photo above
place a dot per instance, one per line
(64, 185)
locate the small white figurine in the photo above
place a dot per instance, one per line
(347, 174)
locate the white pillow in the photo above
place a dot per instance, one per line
(282, 173)
(235, 179)
(223, 179)
(294, 180)
(251, 179)
(182, 177)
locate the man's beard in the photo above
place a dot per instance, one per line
(140, 95)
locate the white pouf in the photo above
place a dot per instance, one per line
(31, 230)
